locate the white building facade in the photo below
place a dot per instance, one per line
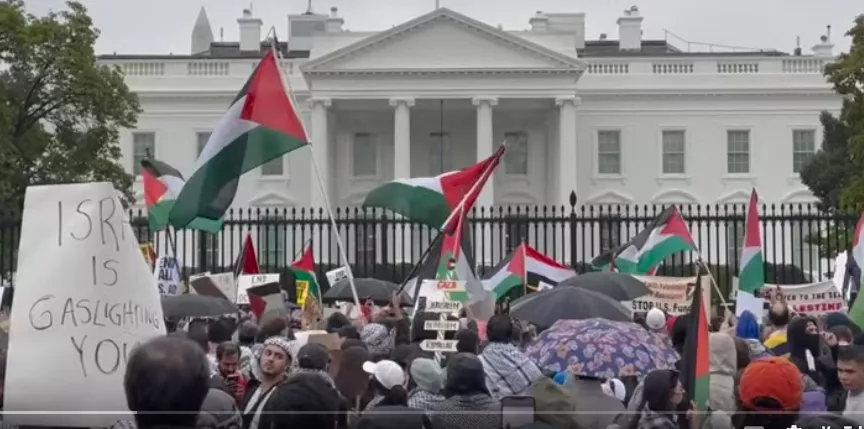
(626, 121)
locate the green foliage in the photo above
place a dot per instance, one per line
(830, 169)
(847, 76)
(60, 112)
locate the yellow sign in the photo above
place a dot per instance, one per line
(302, 291)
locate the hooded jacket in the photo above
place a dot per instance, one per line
(723, 368)
(813, 368)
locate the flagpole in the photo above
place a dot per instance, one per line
(419, 262)
(287, 87)
(524, 267)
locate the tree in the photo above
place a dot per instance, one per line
(60, 112)
(835, 174)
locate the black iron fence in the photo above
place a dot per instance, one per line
(798, 240)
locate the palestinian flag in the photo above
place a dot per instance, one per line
(666, 235)
(260, 125)
(856, 313)
(695, 361)
(434, 200)
(751, 274)
(525, 266)
(450, 254)
(247, 262)
(162, 184)
(304, 277)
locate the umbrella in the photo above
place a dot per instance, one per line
(601, 348)
(546, 307)
(620, 287)
(379, 291)
(196, 306)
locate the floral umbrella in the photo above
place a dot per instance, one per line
(601, 348)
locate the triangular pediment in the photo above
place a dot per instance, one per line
(610, 197)
(272, 199)
(443, 40)
(738, 196)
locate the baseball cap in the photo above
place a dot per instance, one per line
(427, 374)
(313, 356)
(655, 319)
(772, 384)
(387, 372)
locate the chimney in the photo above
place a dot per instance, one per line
(539, 22)
(825, 49)
(630, 30)
(334, 22)
(250, 32)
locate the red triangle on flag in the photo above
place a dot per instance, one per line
(676, 226)
(268, 104)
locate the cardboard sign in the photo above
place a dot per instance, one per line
(441, 325)
(302, 291)
(167, 274)
(245, 281)
(444, 346)
(84, 300)
(442, 306)
(337, 275)
(222, 285)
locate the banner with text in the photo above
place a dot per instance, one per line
(812, 299)
(670, 294)
(245, 281)
(167, 274)
(84, 300)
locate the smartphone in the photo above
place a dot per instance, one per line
(516, 411)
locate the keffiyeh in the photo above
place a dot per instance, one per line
(377, 339)
(508, 370)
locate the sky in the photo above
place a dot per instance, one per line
(165, 26)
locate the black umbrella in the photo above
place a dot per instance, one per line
(379, 291)
(620, 287)
(546, 307)
(196, 306)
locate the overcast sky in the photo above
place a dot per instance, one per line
(162, 26)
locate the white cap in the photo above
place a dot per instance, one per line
(655, 319)
(387, 372)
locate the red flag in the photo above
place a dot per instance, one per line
(247, 263)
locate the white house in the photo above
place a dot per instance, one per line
(627, 121)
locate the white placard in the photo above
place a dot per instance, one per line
(167, 274)
(544, 286)
(441, 325)
(245, 281)
(84, 299)
(337, 275)
(442, 306)
(444, 346)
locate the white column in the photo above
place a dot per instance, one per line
(320, 150)
(402, 249)
(485, 145)
(402, 136)
(566, 159)
(566, 147)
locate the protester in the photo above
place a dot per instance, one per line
(315, 359)
(377, 340)
(166, 382)
(467, 341)
(769, 393)
(228, 376)
(273, 363)
(655, 320)
(468, 402)
(246, 334)
(723, 366)
(351, 381)
(304, 401)
(387, 383)
(778, 318)
(219, 411)
(747, 329)
(850, 369)
(218, 332)
(663, 393)
(508, 370)
(427, 380)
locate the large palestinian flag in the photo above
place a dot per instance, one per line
(695, 361)
(434, 200)
(856, 313)
(525, 266)
(260, 125)
(162, 184)
(304, 277)
(666, 235)
(751, 274)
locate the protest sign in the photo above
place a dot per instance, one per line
(673, 295)
(245, 281)
(167, 274)
(813, 299)
(337, 275)
(222, 285)
(84, 300)
(441, 296)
